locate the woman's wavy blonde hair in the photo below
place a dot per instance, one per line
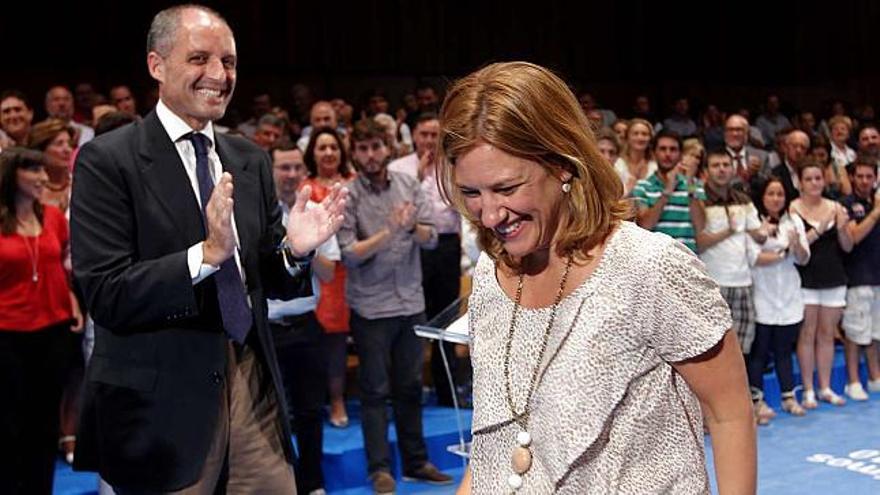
(527, 111)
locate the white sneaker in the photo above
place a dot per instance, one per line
(874, 385)
(855, 392)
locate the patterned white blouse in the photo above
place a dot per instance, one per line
(609, 414)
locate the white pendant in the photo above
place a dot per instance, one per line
(523, 439)
(35, 278)
(515, 481)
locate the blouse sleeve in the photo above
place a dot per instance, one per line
(689, 316)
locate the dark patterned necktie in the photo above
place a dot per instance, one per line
(231, 297)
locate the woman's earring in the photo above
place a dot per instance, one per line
(566, 187)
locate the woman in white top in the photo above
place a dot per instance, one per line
(635, 162)
(779, 305)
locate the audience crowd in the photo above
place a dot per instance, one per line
(782, 209)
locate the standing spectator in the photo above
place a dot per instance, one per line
(680, 121)
(122, 98)
(327, 163)
(712, 128)
(270, 129)
(297, 335)
(668, 201)
(840, 128)
(823, 280)
(779, 305)
(861, 318)
(771, 121)
(321, 115)
(724, 244)
(588, 104)
(59, 105)
(441, 266)
(38, 312)
(869, 141)
(55, 139)
(16, 116)
(837, 183)
(795, 149)
(609, 145)
(635, 161)
(749, 162)
(387, 220)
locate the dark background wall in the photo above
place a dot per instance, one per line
(730, 53)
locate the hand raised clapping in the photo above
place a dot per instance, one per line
(308, 228)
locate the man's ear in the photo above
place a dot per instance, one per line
(156, 66)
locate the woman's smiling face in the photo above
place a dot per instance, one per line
(518, 199)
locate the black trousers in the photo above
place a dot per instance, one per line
(780, 340)
(441, 283)
(31, 378)
(304, 371)
(390, 369)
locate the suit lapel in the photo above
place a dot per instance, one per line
(164, 174)
(245, 194)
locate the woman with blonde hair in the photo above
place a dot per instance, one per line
(592, 339)
(635, 161)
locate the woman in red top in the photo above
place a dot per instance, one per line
(328, 164)
(54, 138)
(37, 314)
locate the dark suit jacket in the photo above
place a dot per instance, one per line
(782, 172)
(157, 374)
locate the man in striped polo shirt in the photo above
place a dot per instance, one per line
(671, 199)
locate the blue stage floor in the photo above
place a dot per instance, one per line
(832, 450)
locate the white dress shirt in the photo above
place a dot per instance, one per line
(177, 129)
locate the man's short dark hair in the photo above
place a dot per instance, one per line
(367, 129)
(862, 160)
(14, 93)
(283, 145)
(113, 120)
(163, 29)
(865, 125)
(665, 133)
(425, 117)
(271, 119)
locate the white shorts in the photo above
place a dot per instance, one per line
(833, 297)
(861, 318)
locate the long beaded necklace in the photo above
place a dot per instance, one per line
(521, 458)
(33, 254)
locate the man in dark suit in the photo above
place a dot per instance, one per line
(797, 144)
(749, 163)
(183, 392)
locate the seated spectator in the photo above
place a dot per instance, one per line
(779, 305)
(113, 120)
(642, 109)
(806, 122)
(603, 118)
(712, 128)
